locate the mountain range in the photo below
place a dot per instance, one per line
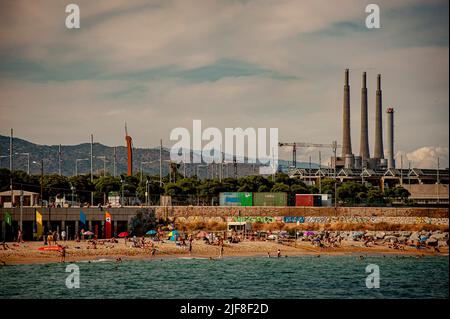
(70, 153)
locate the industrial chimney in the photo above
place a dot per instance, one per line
(378, 152)
(390, 137)
(364, 142)
(346, 141)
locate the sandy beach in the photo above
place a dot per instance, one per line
(28, 253)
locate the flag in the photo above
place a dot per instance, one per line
(82, 220)
(39, 227)
(108, 225)
(8, 218)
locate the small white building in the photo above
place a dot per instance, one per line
(29, 198)
(239, 226)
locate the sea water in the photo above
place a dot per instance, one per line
(234, 277)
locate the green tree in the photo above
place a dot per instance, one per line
(299, 189)
(348, 191)
(83, 187)
(375, 196)
(55, 184)
(280, 187)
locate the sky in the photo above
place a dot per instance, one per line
(158, 65)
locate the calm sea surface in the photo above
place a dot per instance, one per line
(234, 277)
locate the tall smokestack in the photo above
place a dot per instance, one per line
(378, 152)
(364, 142)
(390, 137)
(346, 141)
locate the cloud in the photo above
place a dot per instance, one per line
(424, 157)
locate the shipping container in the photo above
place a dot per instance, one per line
(325, 199)
(270, 199)
(304, 200)
(308, 200)
(236, 199)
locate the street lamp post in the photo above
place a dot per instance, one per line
(121, 183)
(42, 180)
(72, 188)
(147, 189)
(21, 209)
(335, 177)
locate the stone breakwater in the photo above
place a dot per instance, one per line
(429, 238)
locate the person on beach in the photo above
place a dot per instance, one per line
(63, 235)
(278, 253)
(19, 236)
(62, 253)
(221, 249)
(118, 260)
(268, 254)
(5, 246)
(190, 245)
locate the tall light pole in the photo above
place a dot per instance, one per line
(72, 188)
(146, 192)
(401, 170)
(76, 164)
(92, 175)
(320, 172)
(42, 181)
(160, 163)
(11, 167)
(122, 181)
(114, 162)
(21, 208)
(334, 145)
(437, 180)
(59, 160)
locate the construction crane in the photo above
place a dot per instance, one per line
(294, 146)
(129, 141)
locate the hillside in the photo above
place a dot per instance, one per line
(69, 154)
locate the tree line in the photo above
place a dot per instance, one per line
(192, 191)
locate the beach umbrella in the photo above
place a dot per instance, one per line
(173, 233)
(123, 234)
(151, 232)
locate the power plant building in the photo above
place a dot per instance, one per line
(348, 160)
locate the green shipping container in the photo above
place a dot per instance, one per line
(270, 199)
(236, 199)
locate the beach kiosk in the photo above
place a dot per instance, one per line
(238, 227)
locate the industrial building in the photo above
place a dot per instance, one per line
(348, 159)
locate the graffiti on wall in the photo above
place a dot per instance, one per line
(364, 220)
(255, 219)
